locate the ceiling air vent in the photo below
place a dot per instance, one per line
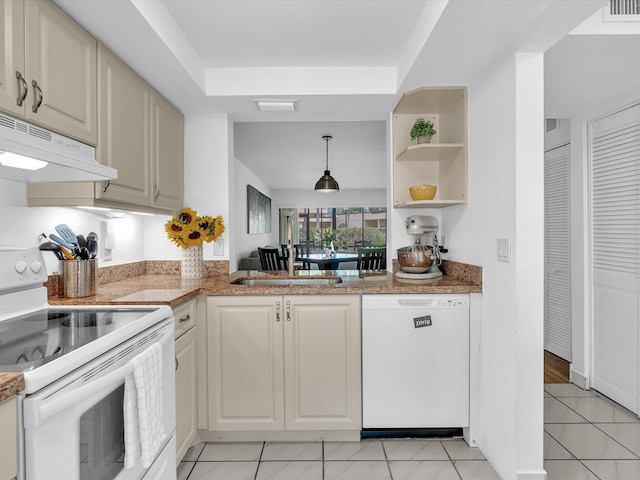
(621, 11)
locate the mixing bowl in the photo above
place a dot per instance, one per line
(414, 260)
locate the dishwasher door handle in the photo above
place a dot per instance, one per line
(416, 302)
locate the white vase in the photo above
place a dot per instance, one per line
(192, 265)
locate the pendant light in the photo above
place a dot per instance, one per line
(327, 184)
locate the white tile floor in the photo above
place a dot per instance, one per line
(366, 460)
(586, 437)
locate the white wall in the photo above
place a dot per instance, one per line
(23, 226)
(246, 243)
(505, 201)
(208, 147)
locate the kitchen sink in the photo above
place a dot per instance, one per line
(288, 282)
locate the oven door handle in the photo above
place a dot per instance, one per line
(44, 409)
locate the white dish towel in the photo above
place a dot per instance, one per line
(143, 408)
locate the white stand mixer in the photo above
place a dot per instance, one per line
(418, 262)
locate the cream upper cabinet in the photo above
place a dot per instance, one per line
(124, 140)
(284, 363)
(48, 69)
(168, 155)
(443, 162)
(186, 377)
(8, 440)
(12, 88)
(141, 135)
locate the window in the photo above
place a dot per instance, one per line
(355, 226)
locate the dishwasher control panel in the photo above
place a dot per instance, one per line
(417, 301)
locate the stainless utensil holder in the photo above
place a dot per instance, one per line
(79, 278)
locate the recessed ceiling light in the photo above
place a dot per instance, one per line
(276, 105)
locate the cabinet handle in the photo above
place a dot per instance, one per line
(277, 311)
(186, 318)
(157, 189)
(22, 86)
(288, 311)
(37, 96)
(106, 185)
(177, 363)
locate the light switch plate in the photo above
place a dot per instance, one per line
(504, 250)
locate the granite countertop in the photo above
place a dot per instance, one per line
(10, 385)
(172, 290)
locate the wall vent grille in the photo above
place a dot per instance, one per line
(622, 11)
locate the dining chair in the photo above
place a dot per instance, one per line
(361, 243)
(270, 259)
(372, 258)
(298, 250)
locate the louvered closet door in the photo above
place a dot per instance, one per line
(557, 290)
(615, 215)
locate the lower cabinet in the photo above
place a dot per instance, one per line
(284, 363)
(186, 408)
(8, 440)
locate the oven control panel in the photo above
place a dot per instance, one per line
(20, 268)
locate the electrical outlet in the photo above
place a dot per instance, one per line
(504, 250)
(218, 247)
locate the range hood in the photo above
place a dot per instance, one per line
(57, 158)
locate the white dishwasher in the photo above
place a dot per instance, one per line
(415, 361)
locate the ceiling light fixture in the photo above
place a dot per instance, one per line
(327, 184)
(276, 105)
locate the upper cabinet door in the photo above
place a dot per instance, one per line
(124, 131)
(168, 154)
(61, 64)
(12, 83)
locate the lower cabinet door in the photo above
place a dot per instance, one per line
(245, 360)
(186, 407)
(284, 363)
(323, 362)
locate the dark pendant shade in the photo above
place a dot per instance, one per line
(327, 184)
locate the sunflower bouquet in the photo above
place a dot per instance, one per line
(189, 229)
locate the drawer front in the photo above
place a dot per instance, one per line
(185, 317)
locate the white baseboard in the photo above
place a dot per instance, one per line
(531, 475)
(578, 379)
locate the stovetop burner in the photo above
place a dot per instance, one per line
(32, 340)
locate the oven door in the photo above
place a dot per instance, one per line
(74, 428)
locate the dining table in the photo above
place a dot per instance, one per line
(328, 262)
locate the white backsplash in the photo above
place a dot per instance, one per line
(23, 226)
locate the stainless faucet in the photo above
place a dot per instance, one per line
(290, 253)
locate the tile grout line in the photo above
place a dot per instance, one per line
(386, 458)
(255, 477)
(453, 464)
(322, 457)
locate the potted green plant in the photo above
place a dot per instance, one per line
(422, 130)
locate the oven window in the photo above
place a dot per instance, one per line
(102, 438)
